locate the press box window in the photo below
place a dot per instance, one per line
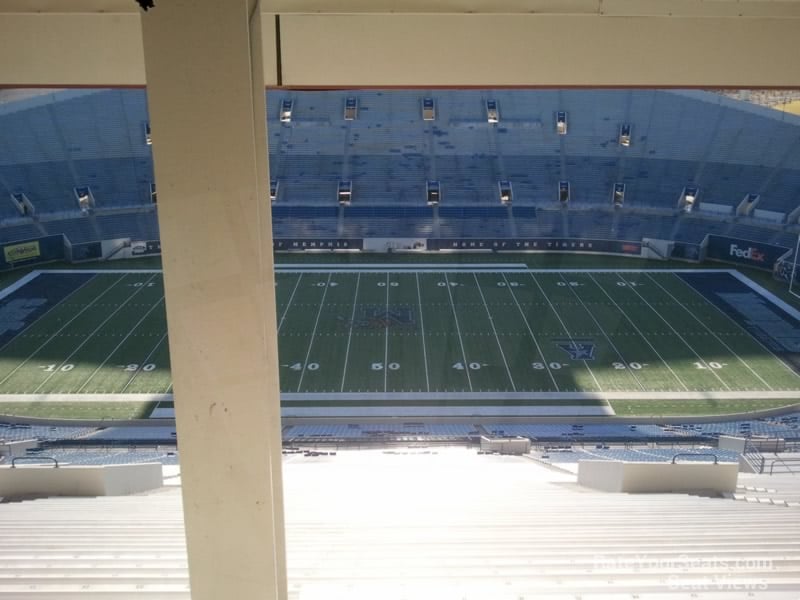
(345, 192)
(618, 195)
(505, 191)
(434, 193)
(350, 109)
(563, 192)
(286, 111)
(492, 113)
(273, 190)
(625, 135)
(561, 123)
(428, 109)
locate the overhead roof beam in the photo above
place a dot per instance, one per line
(463, 43)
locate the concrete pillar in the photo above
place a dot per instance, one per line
(205, 84)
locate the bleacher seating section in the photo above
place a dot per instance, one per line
(50, 144)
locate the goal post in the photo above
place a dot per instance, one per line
(786, 269)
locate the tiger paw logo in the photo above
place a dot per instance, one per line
(577, 349)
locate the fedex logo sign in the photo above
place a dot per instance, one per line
(751, 253)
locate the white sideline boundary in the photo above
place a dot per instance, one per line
(790, 310)
(19, 283)
(434, 396)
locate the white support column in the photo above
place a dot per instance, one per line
(205, 84)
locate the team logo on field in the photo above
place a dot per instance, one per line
(381, 317)
(577, 349)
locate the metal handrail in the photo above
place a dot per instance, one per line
(15, 459)
(784, 461)
(716, 459)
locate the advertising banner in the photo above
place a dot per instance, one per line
(537, 245)
(32, 252)
(147, 248)
(15, 253)
(752, 254)
(289, 244)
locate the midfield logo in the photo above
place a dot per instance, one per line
(577, 349)
(375, 317)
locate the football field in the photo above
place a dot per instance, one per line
(435, 339)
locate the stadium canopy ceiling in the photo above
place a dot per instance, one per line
(353, 43)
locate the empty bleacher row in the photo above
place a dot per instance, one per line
(99, 139)
(784, 426)
(636, 454)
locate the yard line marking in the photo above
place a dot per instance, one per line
(139, 322)
(491, 322)
(530, 331)
(723, 313)
(64, 326)
(603, 331)
(639, 331)
(98, 328)
(289, 303)
(314, 332)
(635, 291)
(458, 329)
(422, 328)
(711, 331)
(386, 345)
(144, 362)
(48, 311)
(560, 320)
(350, 334)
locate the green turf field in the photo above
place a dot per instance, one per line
(445, 336)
